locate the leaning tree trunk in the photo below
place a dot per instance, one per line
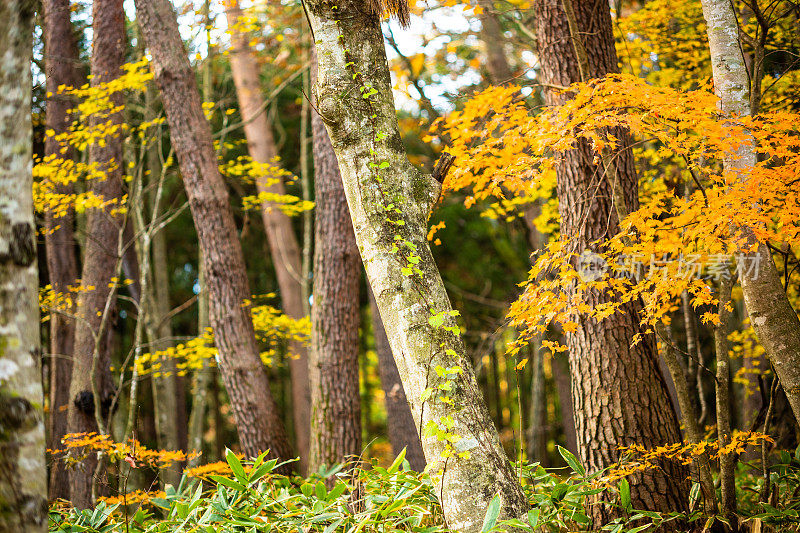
(403, 433)
(257, 420)
(280, 235)
(619, 393)
(333, 362)
(91, 357)
(389, 203)
(23, 482)
(772, 316)
(61, 65)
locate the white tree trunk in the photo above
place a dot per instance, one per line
(772, 316)
(23, 482)
(389, 203)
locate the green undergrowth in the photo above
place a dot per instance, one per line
(254, 498)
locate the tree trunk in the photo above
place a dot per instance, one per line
(90, 373)
(537, 419)
(619, 393)
(389, 203)
(562, 377)
(169, 406)
(257, 420)
(772, 316)
(493, 42)
(23, 483)
(400, 424)
(333, 365)
(61, 61)
(280, 235)
(203, 378)
(727, 461)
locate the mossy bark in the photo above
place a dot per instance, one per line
(389, 203)
(23, 471)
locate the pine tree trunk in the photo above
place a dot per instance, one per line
(61, 64)
(92, 358)
(382, 187)
(619, 393)
(23, 482)
(772, 316)
(400, 424)
(335, 314)
(257, 420)
(280, 235)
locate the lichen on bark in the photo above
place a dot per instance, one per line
(23, 483)
(389, 202)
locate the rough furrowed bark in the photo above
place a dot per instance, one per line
(382, 189)
(61, 58)
(23, 473)
(257, 420)
(619, 394)
(403, 433)
(280, 235)
(333, 361)
(90, 373)
(774, 320)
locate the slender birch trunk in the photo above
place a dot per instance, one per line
(389, 203)
(774, 320)
(257, 420)
(61, 65)
(169, 404)
(91, 374)
(23, 482)
(727, 461)
(280, 234)
(335, 314)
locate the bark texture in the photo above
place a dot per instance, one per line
(90, 371)
(23, 482)
(403, 433)
(257, 420)
(774, 320)
(280, 235)
(333, 365)
(61, 65)
(355, 101)
(619, 394)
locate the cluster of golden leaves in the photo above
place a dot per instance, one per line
(78, 445)
(503, 149)
(273, 328)
(639, 458)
